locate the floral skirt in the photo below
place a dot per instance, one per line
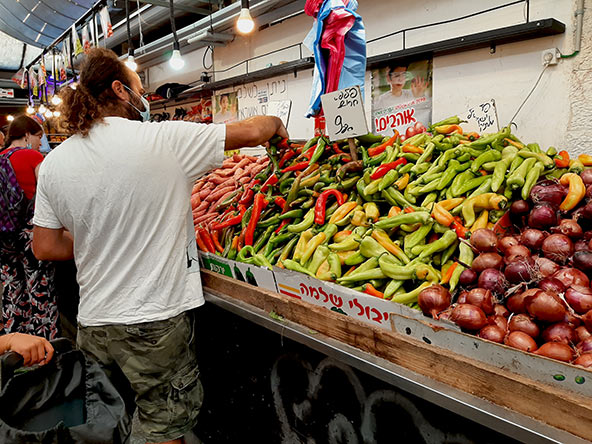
(29, 302)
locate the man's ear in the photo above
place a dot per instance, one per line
(119, 90)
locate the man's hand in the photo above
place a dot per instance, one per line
(254, 131)
(33, 349)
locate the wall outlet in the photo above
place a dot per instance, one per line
(550, 56)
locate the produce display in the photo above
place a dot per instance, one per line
(483, 230)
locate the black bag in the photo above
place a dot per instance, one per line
(69, 400)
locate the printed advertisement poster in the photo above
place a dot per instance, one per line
(226, 108)
(201, 112)
(402, 98)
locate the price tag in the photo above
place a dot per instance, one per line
(281, 109)
(344, 113)
(483, 117)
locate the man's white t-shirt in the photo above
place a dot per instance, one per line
(124, 194)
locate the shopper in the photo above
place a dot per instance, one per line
(33, 349)
(29, 302)
(1, 139)
(121, 186)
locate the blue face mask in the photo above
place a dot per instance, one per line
(145, 115)
(44, 148)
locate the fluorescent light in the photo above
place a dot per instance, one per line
(131, 63)
(176, 60)
(245, 23)
(56, 100)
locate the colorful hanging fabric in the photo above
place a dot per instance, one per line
(62, 68)
(41, 72)
(34, 84)
(78, 49)
(66, 52)
(106, 22)
(86, 42)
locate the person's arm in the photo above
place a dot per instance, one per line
(33, 349)
(253, 131)
(52, 244)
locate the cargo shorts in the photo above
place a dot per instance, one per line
(153, 366)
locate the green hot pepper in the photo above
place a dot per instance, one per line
(304, 225)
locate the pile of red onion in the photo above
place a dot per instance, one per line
(529, 289)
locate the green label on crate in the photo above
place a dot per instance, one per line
(217, 266)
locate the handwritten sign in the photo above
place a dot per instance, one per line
(344, 113)
(281, 109)
(483, 117)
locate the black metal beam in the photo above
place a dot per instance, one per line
(165, 4)
(486, 39)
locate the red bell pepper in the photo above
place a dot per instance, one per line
(562, 159)
(258, 206)
(297, 166)
(321, 205)
(380, 148)
(385, 168)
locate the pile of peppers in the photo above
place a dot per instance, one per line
(390, 224)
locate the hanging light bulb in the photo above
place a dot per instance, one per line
(56, 100)
(42, 108)
(73, 86)
(131, 63)
(57, 114)
(176, 61)
(30, 109)
(48, 114)
(245, 23)
(10, 117)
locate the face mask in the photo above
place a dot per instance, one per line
(44, 148)
(145, 115)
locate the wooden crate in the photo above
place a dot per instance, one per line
(558, 408)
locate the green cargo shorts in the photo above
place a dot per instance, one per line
(153, 365)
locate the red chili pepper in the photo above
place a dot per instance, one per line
(287, 156)
(207, 239)
(280, 202)
(369, 289)
(297, 167)
(460, 230)
(283, 144)
(200, 243)
(380, 148)
(271, 180)
(234, 220)
(336, 149)
(385, 168)
(433, 238)
(449, 273)
(219, 247)
(310, 152)
(321, 205)
(408, 210)
(258, 206)
(247, 196)
(562, 159)
(282, 225)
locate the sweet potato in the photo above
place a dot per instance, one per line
(195, 201)
(212, 197)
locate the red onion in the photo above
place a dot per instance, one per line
(481, 298)
(558, 248)
(519, 271)
(519, 208)
(579, 298)
(587, 320)
(546, 266)
(468, 316)
(569, 228)
(501, 310)
(433, 300)
(532, 238)
(571, 276)
(492, 280)
(487, 260)
(582, 333)
(551, 284)
(524, 323)
(572, 319)
(582, 260)
(468, 277)
(560, 332)
(507, 242)
(556, 350)
(548, 191)
(517, 304)
(516, 253)
(545, 306)
(542, 216)
(581, 245)
(492, 333)
(586, 176)
(584, 360)
(500, 321)
(462, 297)
(484, 240)
(521, 341)
(585, 346)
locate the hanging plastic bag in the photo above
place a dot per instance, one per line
(78, 49)
(338, 41)
(106, 22)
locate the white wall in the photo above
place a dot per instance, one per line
(556, 114)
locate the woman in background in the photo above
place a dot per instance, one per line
(29, 301)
